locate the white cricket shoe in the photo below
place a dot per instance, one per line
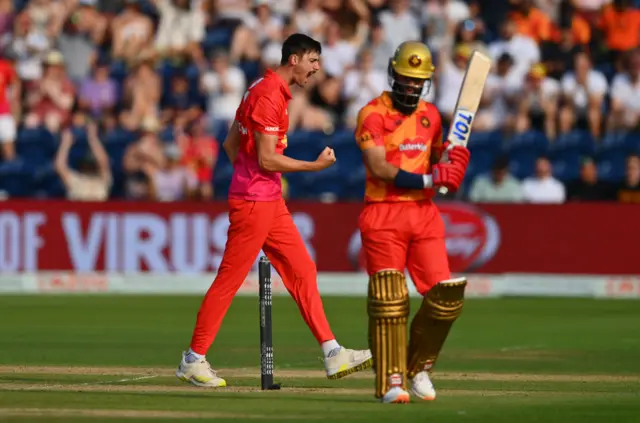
(396, 395)
(199, 373)
(347, 361)
(422, 387)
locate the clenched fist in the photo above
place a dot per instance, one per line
(326, 158)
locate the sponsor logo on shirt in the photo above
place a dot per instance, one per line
(272, 128)
(413, 147)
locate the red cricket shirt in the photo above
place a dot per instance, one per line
(263, 109)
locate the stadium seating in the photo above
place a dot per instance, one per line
(34, 174)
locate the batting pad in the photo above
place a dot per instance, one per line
(388, 308)
(430, 327)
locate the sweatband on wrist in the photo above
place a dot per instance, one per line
(408, 180)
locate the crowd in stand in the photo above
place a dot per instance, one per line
(132, 98)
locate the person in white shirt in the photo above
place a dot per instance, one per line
(337, 54)
(310, 19)
(497, 187)
(361, 85)
(543, 188)
(438, 15)
(450, 74)
(265, 25)
(399, 23)
(583, 91)
(524, 50)
(380, 46)
(225, 85)
(29, 47)
(181, 27)
(537, 102)
(625, 96)
(497, 104)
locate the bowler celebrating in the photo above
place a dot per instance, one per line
(259, 218)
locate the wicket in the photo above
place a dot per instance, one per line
(266, 326)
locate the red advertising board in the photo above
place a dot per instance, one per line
(190, 237)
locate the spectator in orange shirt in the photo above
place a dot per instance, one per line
(621, 26)
(531, 21)
(570, 20)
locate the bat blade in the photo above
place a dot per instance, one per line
(468, 101)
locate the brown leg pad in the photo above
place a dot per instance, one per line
(388, 309)
(429, 329)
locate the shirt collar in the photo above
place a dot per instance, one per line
(284, 87)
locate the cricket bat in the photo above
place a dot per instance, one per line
(468, 102)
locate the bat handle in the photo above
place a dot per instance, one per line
(443, 190)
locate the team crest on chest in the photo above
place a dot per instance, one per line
(424, 121)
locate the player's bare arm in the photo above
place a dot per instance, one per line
(231, 144)
(375, 160)
(271, 161)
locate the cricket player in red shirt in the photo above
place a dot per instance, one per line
(259, 218)
(400, 136)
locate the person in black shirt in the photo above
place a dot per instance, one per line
(629, 189)
(588, 187)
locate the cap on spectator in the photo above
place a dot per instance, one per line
(150, 124)
(538, 71)
(91, 3)
(258, 3)
(54, 58)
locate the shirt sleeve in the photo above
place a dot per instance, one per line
(568, 84)
(598, 84)
(370, 129)
(619, 88)
(265, 115)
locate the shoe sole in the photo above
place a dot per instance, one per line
(194, 382)
(400, 399)
(357, 368)
(424, 398)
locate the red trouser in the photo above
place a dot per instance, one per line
(265, 225)
(406, 235)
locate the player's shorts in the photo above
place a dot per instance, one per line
(7, 129)
(405, 235)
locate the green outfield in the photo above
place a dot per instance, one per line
(111, 358)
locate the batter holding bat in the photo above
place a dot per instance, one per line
(400, 136)
(259, 218)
